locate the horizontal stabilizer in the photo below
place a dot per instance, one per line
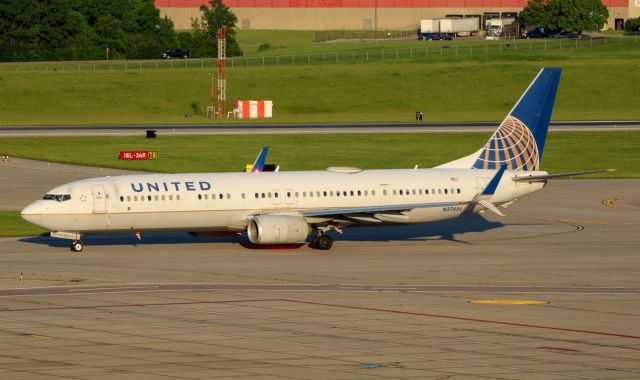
(540, 178)
(491, 207)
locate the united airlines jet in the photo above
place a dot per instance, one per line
(288, 207)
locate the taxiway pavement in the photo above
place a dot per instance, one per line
(319, 128)
(383, 303)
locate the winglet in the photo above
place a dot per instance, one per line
(493, 185)
(258, 164)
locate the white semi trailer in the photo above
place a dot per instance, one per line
(457, 26)
(460, 26)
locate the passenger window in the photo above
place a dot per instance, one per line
(373, 192)
(199, 196)
(149, 198)
(311, 194)
(269, 195)
(359, 193)
(263, 195)
(331, 193)
(337, 193)
(121, 198)
(275, 195)
(128, 198)
(297, 194)
(178, 197)
(439, 191)
(400, 192)
(288, 194)
(163, 197)
(426, 191)
(170, 197)
(257, 196)
(419, 191)
(304, 194)
(445, 191)
(458, 191)
(135, 198)
(366, 192)
(228, 196)
(394, 192)
(155, 198)
(324, 193)
(242, 195)
(413, 191)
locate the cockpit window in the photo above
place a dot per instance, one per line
(57, 197)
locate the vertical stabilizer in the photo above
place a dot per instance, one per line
(519, 141)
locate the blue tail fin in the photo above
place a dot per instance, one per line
(519, 141)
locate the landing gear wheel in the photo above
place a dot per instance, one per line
(323, 242)
(77, 246)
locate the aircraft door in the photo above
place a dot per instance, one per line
(99, 199)
(276, 196)
(288, 196)
(481, 183)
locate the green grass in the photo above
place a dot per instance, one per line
(13, 225)
(593, 87)
(249, 40)
(564, 151)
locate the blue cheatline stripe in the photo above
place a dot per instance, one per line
(493, 185)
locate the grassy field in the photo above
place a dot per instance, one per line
(13, 225)
(597, 84)
(564, 151)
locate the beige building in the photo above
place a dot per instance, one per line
(365, 14)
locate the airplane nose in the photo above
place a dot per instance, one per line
(32, 213)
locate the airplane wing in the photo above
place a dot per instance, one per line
(541, 178)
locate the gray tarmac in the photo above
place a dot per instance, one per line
(278, 129)
(383, 303)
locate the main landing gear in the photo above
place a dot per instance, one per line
(321, 240)
(76, 246)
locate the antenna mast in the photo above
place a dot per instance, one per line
(222, 73)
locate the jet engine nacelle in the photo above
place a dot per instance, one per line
(278, 229)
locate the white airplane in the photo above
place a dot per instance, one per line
(286, 207)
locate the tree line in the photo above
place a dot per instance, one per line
(566, 15)
(49, 30)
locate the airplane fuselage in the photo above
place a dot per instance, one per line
(228, 201)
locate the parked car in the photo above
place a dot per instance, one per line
(536, 33)
(565, 35)
(176, 53)
(434, 36)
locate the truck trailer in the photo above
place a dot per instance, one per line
(454, 26)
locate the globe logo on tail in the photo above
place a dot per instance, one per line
(512, 144)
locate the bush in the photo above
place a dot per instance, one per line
(263, 47)
(632, 25)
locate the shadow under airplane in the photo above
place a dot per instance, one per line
(449, 230)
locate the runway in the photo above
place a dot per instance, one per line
(560, 272)
(310, 128)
